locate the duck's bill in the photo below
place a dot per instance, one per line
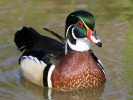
(99, 44)
(91, 35)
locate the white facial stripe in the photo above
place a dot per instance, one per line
(82, 21)
(74, 34)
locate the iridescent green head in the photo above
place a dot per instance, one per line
(80, 30)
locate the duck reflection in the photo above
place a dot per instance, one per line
(39, 92)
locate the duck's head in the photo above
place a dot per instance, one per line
(80, 30)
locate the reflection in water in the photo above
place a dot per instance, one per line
(76, 94)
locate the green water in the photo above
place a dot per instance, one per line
(114, 21)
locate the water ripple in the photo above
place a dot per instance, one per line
(9, 60)
(6, 45)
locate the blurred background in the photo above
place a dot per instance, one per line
(114, 22)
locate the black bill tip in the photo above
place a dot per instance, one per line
(99, 44)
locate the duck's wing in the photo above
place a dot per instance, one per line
(28, 41)
(42, 55)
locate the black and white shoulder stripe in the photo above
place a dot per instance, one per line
(47, 75)
(36, 71)
(97, 60)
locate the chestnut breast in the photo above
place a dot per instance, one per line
(77, 70)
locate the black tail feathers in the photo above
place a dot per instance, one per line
(26, 38)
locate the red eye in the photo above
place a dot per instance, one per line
(80, 24)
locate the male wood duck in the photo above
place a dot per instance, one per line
(68, 65)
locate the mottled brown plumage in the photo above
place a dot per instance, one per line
(79, 71)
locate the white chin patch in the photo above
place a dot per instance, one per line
(82, 44)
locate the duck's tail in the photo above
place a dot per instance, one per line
(26, 38)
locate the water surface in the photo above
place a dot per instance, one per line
(114, 28)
